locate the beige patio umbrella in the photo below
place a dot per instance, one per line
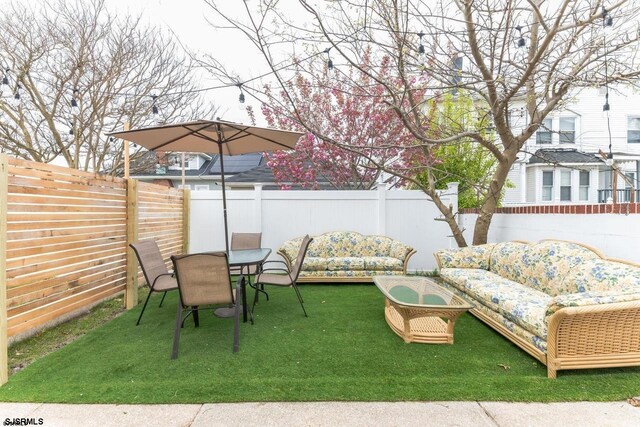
(212, 137)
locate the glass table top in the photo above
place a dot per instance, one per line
(417, 292)
(239, 257)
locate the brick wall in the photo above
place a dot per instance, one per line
(618, 208)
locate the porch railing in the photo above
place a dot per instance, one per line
(624, 195)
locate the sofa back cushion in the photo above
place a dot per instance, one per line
(507, 260)
(601, 275)
(468, 257)
(542, 266)
(335, 244)
(549, 262)
(373, 246)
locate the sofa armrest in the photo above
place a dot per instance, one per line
(289, 250)
(602, 335)
(469, 257)
(583, 299)
(288, 261)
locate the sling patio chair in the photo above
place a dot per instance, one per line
(155, 271)
(204, 281)
(285, 277)
(247, 241)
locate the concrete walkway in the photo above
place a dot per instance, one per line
(581, 414)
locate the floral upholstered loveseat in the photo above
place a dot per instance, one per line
(564, 303)
(345, 256)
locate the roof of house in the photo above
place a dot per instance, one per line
(563, 156)
(232, 165)
(263, 174)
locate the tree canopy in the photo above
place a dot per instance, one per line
(74, 71)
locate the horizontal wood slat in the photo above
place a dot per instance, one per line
(24, 235)
(80, 237)
(30, 320)
(71, 279)
(40, 183)
(56, 192)
(66, 238)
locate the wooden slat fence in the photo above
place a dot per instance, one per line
(64, 236)
(161, 215)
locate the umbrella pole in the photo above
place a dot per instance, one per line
(224, 200)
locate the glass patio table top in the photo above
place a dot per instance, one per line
(420, 292)
(245, 257)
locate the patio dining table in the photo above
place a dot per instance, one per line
(244, 258)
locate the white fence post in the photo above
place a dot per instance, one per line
(382, 208)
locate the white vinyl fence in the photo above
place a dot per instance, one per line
(408, 216)
(616, 235)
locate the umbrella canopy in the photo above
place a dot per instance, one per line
(212, 137)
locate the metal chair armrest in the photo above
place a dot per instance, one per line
(171, 274)
(275, 269)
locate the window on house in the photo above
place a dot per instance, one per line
(547, 185)
(567, 130)
(584, 185)
(565, 186)
(633, 130)
(202, 187)
(543, 134)
(186, 186)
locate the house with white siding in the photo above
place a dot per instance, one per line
(581, 154)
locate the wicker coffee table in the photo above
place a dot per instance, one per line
(416, 306)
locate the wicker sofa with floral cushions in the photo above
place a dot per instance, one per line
(345, 256)
(564, 303)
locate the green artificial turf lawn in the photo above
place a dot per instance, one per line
(344, 351)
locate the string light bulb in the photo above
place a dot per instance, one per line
(16, 96)
(241, 96)
(74, 103)
(421, 46)
(329, 61)
(5, 78)
(607, 19)
(154, 107)
(521, 42)
(606, 106)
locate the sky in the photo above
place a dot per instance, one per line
(188, 20)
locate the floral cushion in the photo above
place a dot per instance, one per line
(538, 342)
(546, 263)
(520, 304)
(506, 260)
(290, 249)
(382, 263)
(399, 250)
(373, 246)
(314, 263)
(345, 273)
(580, 299)
(469, 257)
(602, 275)
(345, 263)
